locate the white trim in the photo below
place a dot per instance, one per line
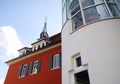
(32, 54)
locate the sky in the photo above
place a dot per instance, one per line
(21, 22)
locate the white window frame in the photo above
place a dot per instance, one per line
(56, 61)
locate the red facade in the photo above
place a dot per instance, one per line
(45, 74)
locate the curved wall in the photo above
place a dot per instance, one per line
(99, 46)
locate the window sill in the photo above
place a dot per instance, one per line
(55, 68)
(21, 76)
(92, 22)
(33, 73)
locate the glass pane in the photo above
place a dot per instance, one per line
(77, 21)
(78, 61)
(24, 70)
(57, 61)
(110, 1)
(86, 3)
(115, 9)
(68, 2)
(68, 11)
(102, 11)
(74, 7)
(95, 13)
(118, 3)
(54, 62)
(35, 67)
(64, 15)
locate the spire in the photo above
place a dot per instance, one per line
(45, 26)
(44, 33)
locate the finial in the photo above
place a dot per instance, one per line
(45, 19)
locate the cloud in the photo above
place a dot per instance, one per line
(1, 81)
(9, 42)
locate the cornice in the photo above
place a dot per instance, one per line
(20, 58)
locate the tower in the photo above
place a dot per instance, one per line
(91, 28)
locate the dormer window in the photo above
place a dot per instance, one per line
(38, 46)
(34, 48)
(24, 53)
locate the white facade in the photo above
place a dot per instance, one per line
(98, 44)
(91, 32)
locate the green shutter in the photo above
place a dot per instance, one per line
(38, 67)
(31, 67)
(19, 72)
(60, 60)
(51, 62)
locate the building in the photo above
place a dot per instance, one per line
(40, 64)
(90, 41)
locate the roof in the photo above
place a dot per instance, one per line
(55, 39)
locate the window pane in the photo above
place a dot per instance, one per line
(110, 1)
(117, 3)
(36, 67)
(56, 61)
(74, 7)
(95, 13)
(114, 6)
(114, 9)
(64, 15)
(86, 3)
(78, 61)
(68, 11)
(77, 21)
(24, 70)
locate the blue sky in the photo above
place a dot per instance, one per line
(21, 22)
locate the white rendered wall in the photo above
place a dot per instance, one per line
(98, 44)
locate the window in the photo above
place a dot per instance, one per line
(95, 13)
(23, 70)
(94, 10)
(36, 67)
(86, 11)
(82, 12)
(82, 77)
(76, 16)
(77, 21)
(78, 61)
(55, 61)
